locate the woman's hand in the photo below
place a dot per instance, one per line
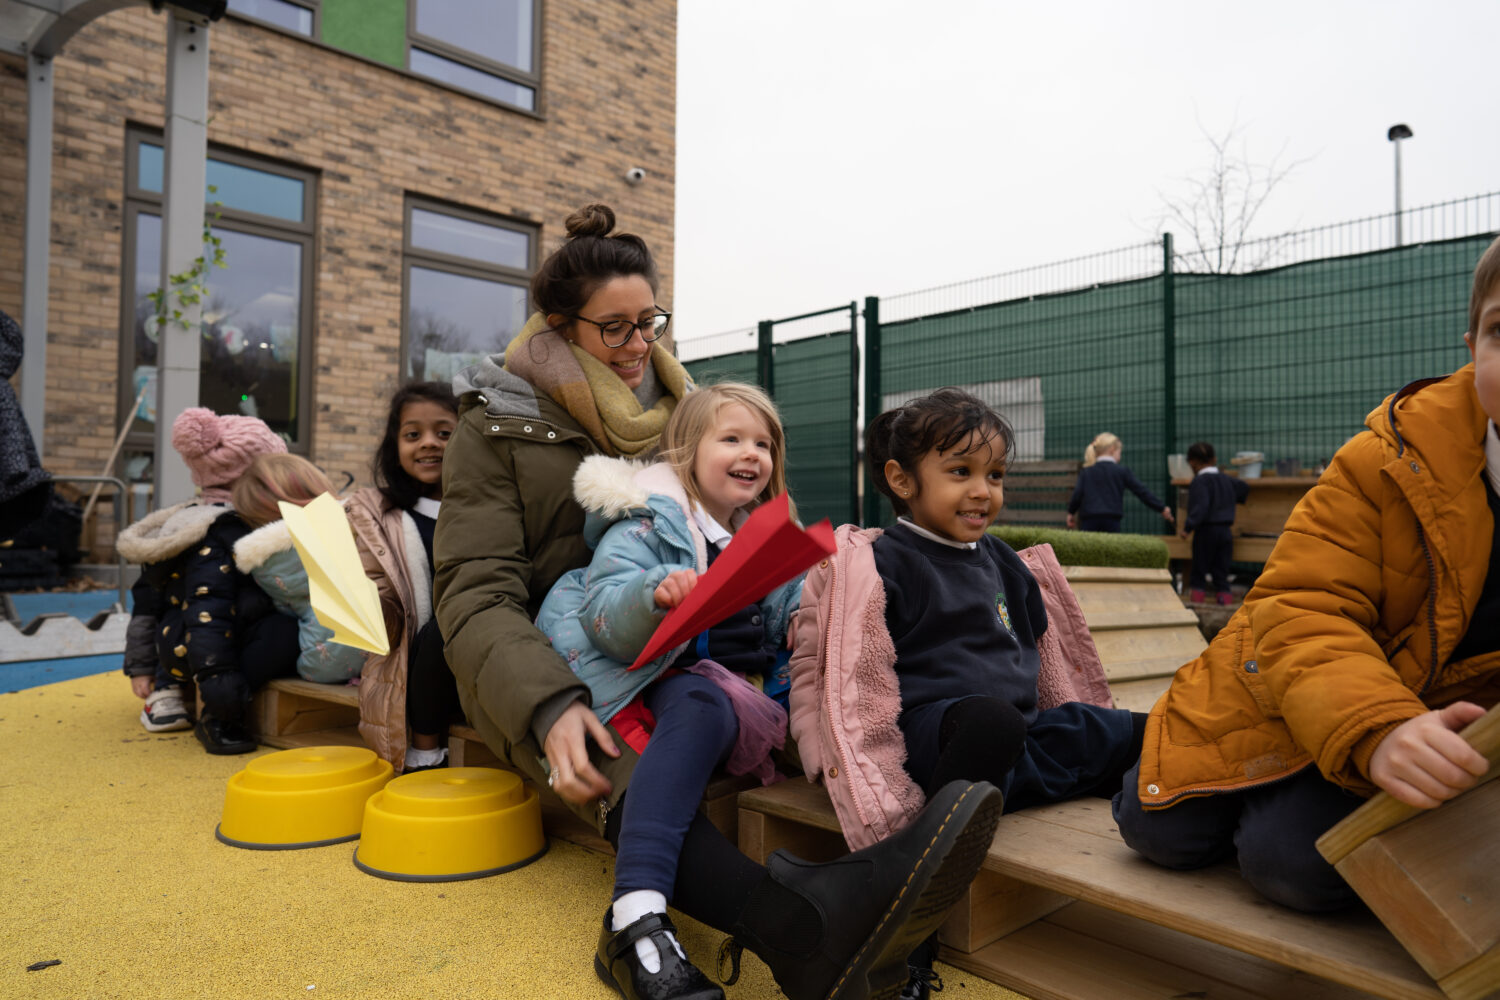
(574, 776)
(1167, 515)
(141, 685)
(1424, 762)
(1072, 520)
(674, 589)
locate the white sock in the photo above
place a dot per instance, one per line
(425, 758)
(633, 906)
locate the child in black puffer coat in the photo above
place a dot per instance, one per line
(195, 616)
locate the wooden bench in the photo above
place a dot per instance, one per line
(297, 713)
(1063, 910)
(1429, 875)
(1038, 492)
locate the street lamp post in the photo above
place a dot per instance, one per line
(1395, 134)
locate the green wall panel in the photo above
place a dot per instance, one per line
(375, 29)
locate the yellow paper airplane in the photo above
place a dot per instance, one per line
(342, 597)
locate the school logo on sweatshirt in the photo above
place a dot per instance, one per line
(1004, 613)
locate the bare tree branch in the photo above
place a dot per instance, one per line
(1218, 211)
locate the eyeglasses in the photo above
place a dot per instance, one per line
(617, 333)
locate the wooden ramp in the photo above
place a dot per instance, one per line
(1063, 910)
(1142, 631)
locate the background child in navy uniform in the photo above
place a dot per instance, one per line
(1098, 502)
(1210, 514)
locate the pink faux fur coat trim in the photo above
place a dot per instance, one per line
(845, 698)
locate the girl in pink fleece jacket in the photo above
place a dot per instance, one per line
(927, 655)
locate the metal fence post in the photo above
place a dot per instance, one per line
(765, 371)
(872, 400)
(1168, 360)
(854, 411)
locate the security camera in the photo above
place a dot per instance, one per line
(635, 175)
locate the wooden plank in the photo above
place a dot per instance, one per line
(795, 799)
(1131, 670)
(1181, 643)
(1045, 465)
(1083, 952)
(1116, 574)
(1246, 550)
(993, 907)
(1095, 598)
(1046, 847)
(1382, 812)
(1139, 696)
(1476, 981)
(338, 694)
(1433, 882)
(341, 737)
(1101, 621)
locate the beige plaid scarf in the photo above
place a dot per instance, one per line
(594, 395)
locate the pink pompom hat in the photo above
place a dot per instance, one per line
(218, 449)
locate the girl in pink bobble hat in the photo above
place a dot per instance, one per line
(195, 616)
(218, 449)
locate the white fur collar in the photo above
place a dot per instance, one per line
(164, 533)
(261, 544)
(612, 487)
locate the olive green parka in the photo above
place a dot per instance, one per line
(509, 527)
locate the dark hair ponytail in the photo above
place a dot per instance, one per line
(395, 483)
(589, 257)
(934, 422)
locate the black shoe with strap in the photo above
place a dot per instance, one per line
(844, 929)
(619, 967)
(225, 738)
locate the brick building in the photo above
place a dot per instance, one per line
(386, 174)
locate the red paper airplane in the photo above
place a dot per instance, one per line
(767, 551)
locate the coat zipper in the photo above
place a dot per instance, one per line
(828, 694)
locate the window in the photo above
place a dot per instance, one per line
(256, 346)
(466, 276)
(487, 47)
(291, 15)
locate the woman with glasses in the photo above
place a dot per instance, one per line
(588, 375)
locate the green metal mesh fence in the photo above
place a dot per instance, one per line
(816, 398)
(1288, 362)
(1061, 368)
(1285, 359)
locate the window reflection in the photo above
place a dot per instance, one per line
(499, 30)
(286, 15)
(480, 82)
(249, 347)
(454, 320)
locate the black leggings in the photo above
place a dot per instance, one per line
(431, 692)
(268, 650)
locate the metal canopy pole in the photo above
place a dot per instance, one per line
(182, 243)
(38, 244)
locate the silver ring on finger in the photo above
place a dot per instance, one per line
(552, 778)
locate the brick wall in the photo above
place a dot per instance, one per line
(374, 135)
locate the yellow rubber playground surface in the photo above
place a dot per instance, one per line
(110, 865)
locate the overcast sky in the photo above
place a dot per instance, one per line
(829, 150)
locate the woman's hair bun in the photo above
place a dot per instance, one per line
(591, 220)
